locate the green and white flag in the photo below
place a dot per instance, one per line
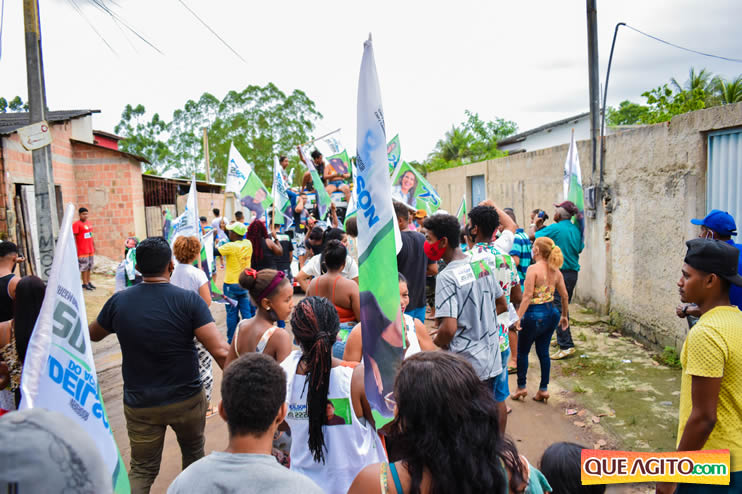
(281, 202)
(254, 196)
(340, 162)
(572, 184)
(237, 171)
(59, 369)
(383, 337)
(461, 213)
(187, 224)
(352, 208)
(393, 152)
(323, 198)
(411, 188)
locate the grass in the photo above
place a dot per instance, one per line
(668, 357)
(589, 366)
(581, 337)
(579, 389)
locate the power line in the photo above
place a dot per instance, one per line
(79, 11)
(737, 60)
(212, 31)
(2, 18)
(116, 18)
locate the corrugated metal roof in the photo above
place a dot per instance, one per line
(10, 122)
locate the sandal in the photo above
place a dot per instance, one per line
(512, 369)
(211, 411)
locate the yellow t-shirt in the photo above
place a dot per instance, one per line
(237, 256)
(713, 348)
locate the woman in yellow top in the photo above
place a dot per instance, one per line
(236, 253)
(537, 314)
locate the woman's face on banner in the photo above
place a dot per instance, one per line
(408, 181)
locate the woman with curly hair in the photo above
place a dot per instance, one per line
(332, 429)
(447, 434)
(187, 250)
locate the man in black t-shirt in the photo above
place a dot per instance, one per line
(413, 263)
(155, 323)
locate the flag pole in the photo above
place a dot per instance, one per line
(321, 137)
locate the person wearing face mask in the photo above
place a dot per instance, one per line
(468, 298)
(717, 225)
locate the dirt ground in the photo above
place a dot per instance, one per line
(611, 394)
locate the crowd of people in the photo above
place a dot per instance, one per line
(294, 396)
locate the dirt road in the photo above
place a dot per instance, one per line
(610, 395)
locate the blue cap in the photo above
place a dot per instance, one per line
(719, 221)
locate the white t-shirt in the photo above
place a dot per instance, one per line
(505, 242)
(219, 232)
(312, 267)
(188, 277)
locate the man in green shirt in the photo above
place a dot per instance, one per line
(567, 237)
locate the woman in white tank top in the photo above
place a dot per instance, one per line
(332, 429)
(417, 338)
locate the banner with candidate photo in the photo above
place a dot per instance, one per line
(339, 163)
(411, 188)
(393, 152)
(254, 196)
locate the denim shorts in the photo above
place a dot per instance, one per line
(337, 183)
(502, 390)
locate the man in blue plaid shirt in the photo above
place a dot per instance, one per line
(521, 251)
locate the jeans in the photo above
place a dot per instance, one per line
(146, 428)
(734, 487)
(537, 326)
(418, 313)
(244, 307)
(564, 338)
(502, 390)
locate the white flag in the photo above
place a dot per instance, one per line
(59, 370)
(187, 224)
(237, 171)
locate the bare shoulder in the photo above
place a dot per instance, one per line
(367, 481)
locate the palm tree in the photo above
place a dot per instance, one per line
(701, 80)
(729, 91)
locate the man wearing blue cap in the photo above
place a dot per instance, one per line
(717, 225)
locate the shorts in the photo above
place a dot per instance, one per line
(336, 183)
(501, 388)
(85, 263)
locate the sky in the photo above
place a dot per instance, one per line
(522, 61)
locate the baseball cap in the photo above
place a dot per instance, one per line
(719, 221)
(238, 228)
(714, 256)
(569, 206)
(45, 451)
(420, 214)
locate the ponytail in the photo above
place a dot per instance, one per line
(315, 325)
(551, 253)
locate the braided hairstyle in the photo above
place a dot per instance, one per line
(315, 325)
(255, 233)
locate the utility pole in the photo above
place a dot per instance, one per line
(593, 69)
(47, 224)
(206, 154)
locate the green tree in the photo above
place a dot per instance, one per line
(473, 140)
(729, 91)
(664, 103)
(14, 105)
(627, 113)
(145, 138)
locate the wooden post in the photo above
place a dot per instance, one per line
(206, 155)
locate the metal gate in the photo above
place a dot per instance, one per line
(724, 177)
(478, 190)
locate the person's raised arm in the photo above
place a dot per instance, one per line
(505, 220)
(214, 342)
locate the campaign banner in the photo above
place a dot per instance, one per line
(281, 203)
(393, 152)
(339, 163)
(59, 369)
(411, 188)
(710, 467)
(461, 213)
(254, 196)
(187, 224)
(352, 209)
(572, 184)
(323, 198)
(237, 171)
(383, 336)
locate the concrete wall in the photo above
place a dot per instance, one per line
(654, 182)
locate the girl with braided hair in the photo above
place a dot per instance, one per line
(332, 429)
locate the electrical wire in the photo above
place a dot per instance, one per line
(79, 11)
(212, 31)
(116, 18)
(2, 18)
(737, 60)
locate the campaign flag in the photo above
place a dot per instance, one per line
(237, 171)
(281, 203)
(323, 198)
(393, 152)
(339, 162)
(187, 224)
(254, 196)
(59, 369)
(461, 213)
(572, 184)
(330, 144)
(411, 188)
(383, 336)
(352, 208)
